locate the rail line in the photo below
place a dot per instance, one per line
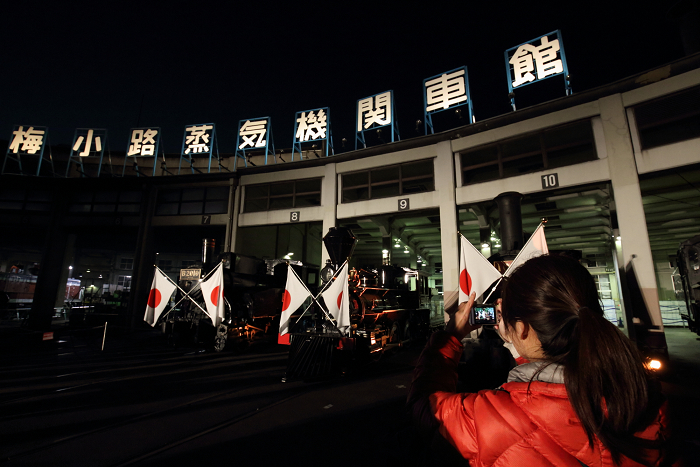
(276, 396)
(179, 367)
(188, 405)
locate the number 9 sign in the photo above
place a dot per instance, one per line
(403, 204)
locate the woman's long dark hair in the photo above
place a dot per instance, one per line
(607, 383)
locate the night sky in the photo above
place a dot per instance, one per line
(119, 65)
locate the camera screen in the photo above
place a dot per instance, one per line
(484, 314)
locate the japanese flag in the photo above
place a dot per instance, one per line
(336, 298)
(213, 292)
(295, 292)
(535, 246)
(476, 274)
(158, 298)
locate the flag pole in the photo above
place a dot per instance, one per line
(210, 272)
(335, 278)
(524, 246)
(493, 289)
(315, 299)
(186, 294)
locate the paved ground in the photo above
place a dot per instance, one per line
(139, 402)
(681, 383)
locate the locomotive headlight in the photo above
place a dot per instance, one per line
(327, 273)
(653, 364)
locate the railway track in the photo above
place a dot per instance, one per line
(139, 408)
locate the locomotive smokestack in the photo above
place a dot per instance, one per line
(511, 221)
(208, 245)
(340, 243)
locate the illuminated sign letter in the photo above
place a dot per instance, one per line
(375, 112)
(536, 60)
(445, 91)
(312, 126)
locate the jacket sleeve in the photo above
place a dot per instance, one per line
(432, 399)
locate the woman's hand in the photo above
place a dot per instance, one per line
(458, 325)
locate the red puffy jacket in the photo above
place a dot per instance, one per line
(510, 426)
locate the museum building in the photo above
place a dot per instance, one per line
(614, 171)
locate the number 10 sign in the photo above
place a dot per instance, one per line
(550, 181)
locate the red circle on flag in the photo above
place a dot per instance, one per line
(215, 296)
(340, 298)
(465, 282)
(154, 298)
(286, 300)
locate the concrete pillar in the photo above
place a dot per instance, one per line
(634, 243)
(233, 211)
(144, 259)
(445, 188)
(625, 313)
(413, 258)
(48, 283)
(68, 260)
(387, 245)
(329, 202)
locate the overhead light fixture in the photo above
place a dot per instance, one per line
(485, 245)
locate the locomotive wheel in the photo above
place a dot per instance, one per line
(406, 337)
(172, 336)
(220, 338)
(394, 336)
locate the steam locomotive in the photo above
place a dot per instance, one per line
(252, 299)
(383, 309)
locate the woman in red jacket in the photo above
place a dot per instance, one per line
(584, 397)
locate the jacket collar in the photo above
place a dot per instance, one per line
(551, 373)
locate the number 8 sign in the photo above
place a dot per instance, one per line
(294, 216)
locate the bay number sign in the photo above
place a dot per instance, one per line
(550, 181)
